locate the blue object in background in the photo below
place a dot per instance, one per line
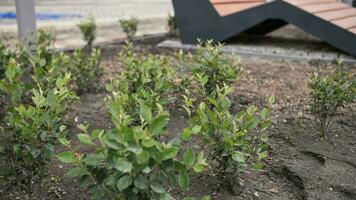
(40, 16)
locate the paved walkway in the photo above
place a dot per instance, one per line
(151, 13)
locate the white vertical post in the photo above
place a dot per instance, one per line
(26, 18)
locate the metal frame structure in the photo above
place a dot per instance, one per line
(200, 19)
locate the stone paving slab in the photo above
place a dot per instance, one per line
(269, 52)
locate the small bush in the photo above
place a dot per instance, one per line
(130, 162)
(237, 141)
(129, 27)
(45, 37)
(148, 78)
(37, 95)
(172, 25)
(30, 130)
(5, 55)
(46, 66)
(212, 67)
(85, 69)
(328, 94)
(88, 30)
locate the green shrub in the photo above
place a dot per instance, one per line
(211, 67)
(37, 93)
(85, 69)
(172, 25)
(45, 38)
(39, 61)
(46, 66)
(130, 162)
(5, 55)
(30, 130)
(129, 27)
(88, 30)
(237, 141)
(328, 94)
(148, 78)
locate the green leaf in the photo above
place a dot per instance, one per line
(145, 112)
(187, 134)
(262, 155)
(75, 172)
(143, 157)
(94, 159)
(85, 181)
(265, 113)
(170, 153)
(206, 197)
(42, 62)
(252, 122)
(174, 142)
(199, 167)
(158, 124)
(251, 110)
(238, 157)
(124, 182)
(141, 182)
(200, 156)
(189, 158)
(148, 142)
(183, 181)
(67, 157)
(271, 99)
(179, 166)
(85, 139)
(123, 165)
(135, 149)
(257, 166)
(196, 129)
(96, 133)
(64, 141)
(155, 186)
(83, 127)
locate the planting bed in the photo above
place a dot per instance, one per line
(301, 165)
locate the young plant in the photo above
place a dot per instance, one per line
(85, 69)
(88, 30)
(5, 55)
(130, 162)
(237, 141)
(145, 78)
(212, 67)
(172, 25)
(45, 38)
(129, 27)
(328, 94)
(30, 131)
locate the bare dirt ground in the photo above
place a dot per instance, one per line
(300, 165)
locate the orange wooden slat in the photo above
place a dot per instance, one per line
(308, 2)
(337, 14)
(234, 1)
(346, 23)
(226, 9)
(325, 7)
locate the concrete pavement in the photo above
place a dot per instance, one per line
(151, 13)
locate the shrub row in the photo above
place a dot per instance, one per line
(132, 160)
(129, 26)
